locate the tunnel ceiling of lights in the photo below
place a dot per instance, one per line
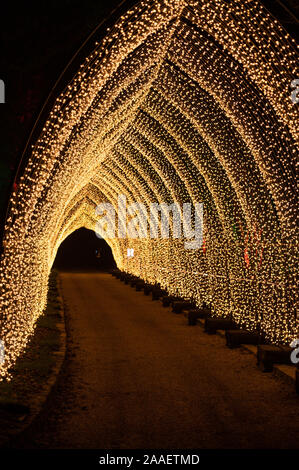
(185, 101)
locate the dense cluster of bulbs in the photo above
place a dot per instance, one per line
(186, 101)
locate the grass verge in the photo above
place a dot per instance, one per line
(21, 397)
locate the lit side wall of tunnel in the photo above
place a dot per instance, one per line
(185, 101)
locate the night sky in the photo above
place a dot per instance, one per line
(38, 39)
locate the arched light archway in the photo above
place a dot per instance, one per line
(182, 101)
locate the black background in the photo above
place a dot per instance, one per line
(38, 39)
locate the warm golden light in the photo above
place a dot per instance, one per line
(182, 101)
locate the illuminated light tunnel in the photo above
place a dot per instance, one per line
(185, 101)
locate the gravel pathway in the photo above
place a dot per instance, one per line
(137, 376)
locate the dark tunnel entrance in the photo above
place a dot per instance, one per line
(84, 251)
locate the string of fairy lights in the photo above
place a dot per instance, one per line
(185, 101)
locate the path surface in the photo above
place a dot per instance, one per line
(137, 376)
